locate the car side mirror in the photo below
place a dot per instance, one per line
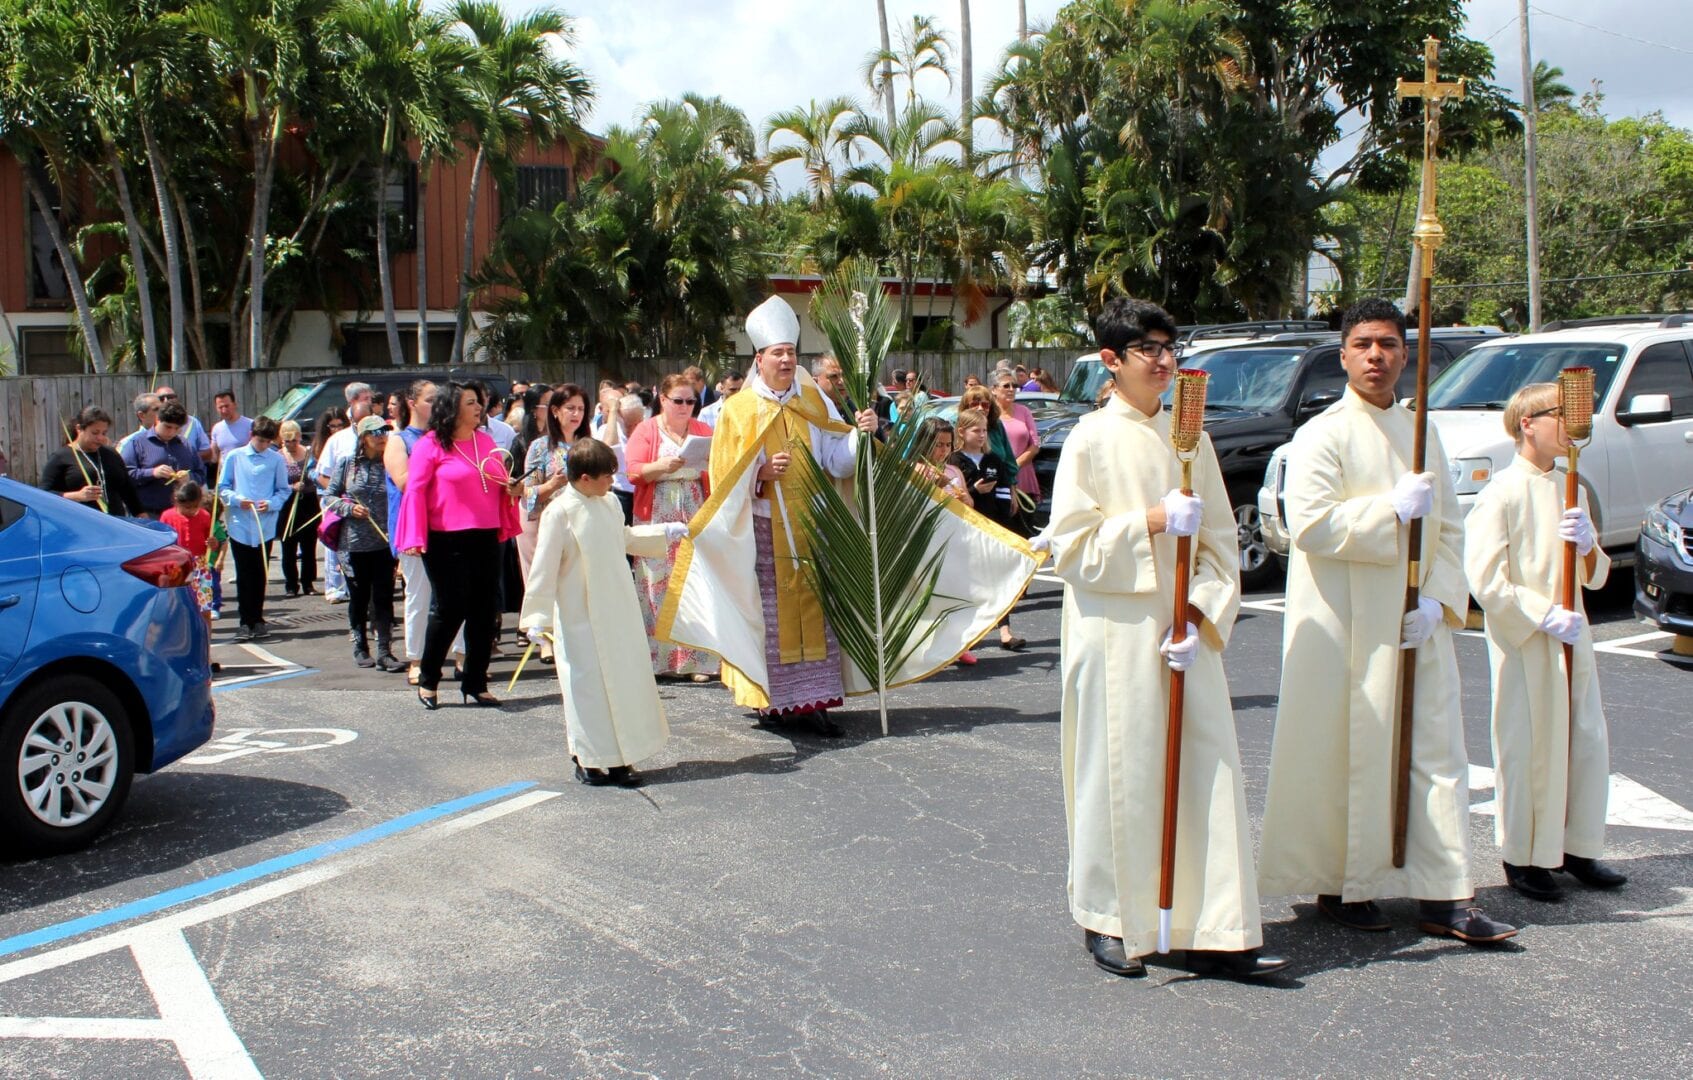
(1315, 401)
(1646, 409)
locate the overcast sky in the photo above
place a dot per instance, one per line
(764, 56)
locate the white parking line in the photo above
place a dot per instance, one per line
(1631, 804)
(190, 1015)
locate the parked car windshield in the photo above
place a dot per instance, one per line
(283, 407)
(1487, 375)
(1247, 378)
(1086, 380)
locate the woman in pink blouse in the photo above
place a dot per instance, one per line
(665, 491)
(1019, 424)
(460, 503)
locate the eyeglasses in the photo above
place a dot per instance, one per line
(1556, 410)
(167, 397)
(1152, 350)
(680, 400)
(1006, 386)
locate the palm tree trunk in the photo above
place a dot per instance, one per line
(887, 67)
(396, 355)
(966, 111)
(1022, 20)
(422, 234)
(462, 319)
(73, 275)
(138, 261)
(169, 226)
(264, 152)
(197, 325)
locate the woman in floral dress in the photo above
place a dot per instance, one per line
(666, 491)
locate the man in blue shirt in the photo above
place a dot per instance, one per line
(253, 485)
(155, 457)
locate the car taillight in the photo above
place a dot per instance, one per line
(167, 567)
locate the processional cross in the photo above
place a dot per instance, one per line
(1429, 234)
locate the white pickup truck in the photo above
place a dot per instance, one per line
(1642, 445)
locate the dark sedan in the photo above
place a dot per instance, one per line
(1663, 565)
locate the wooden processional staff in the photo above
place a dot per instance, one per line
(1428, 236)
(1575, 394)
(1187, 420)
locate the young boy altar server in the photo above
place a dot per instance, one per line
(1552, 763)
(1117, 509)
(580, 590)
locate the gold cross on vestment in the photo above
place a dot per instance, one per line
(1429, 234)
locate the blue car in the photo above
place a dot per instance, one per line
(105, 666)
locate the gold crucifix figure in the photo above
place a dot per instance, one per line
(1429, 234)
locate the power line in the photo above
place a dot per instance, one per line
(1607, 30)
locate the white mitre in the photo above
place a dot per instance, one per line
(773, 323)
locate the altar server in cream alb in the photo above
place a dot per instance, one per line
(580, 590)
(1551, 763)
(1328, 815)
(1117, 508)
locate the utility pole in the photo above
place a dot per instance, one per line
(1531, 190)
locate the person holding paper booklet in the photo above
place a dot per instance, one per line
(581, 595)
(1116, 512)
(665, 458)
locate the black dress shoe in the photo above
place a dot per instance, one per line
(1356, 915)
(1593, 872)
(432, 702)
(1534, 882)
(591, 777)
(826, 728)
(625, 776)
(1246, 964)
(1108, 954)
(1464, 921)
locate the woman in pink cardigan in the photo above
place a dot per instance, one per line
(666, 491)
(460, 503)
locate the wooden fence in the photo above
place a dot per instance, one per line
(35, 408)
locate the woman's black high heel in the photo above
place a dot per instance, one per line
(484, 699)
(431, 703)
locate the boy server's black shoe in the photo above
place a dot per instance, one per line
(1593, 872)
(1356, 915)
(1534, 882)
(1108, 955)
(1245, 964)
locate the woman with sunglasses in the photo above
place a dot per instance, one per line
(667, 490)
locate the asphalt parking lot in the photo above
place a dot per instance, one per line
(342, 884)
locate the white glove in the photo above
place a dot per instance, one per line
(1040, 542)
(1419, 625)
(1563, 624)
(1413, 496)
(1180, 655)
(537, 634)
(1578, 527)
(675, 530)
(1181, 513)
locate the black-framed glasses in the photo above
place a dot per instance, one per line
(1556, 410)
(1152, 350)
(166, 397)
(681, 400)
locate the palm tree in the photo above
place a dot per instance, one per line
(887, 94)
(403, 65)
(966, 115)
(1550, 91)
(521, 92)
(819, 142)
(262, 50)
(922, 47)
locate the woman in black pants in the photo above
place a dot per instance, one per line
(359, 493)
(460, 503)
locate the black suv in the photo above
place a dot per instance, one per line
(1260, 392)
(305, 401)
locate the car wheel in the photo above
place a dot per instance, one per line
(1257, 561)
(68, 758)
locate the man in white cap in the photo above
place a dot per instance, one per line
(757, 493)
